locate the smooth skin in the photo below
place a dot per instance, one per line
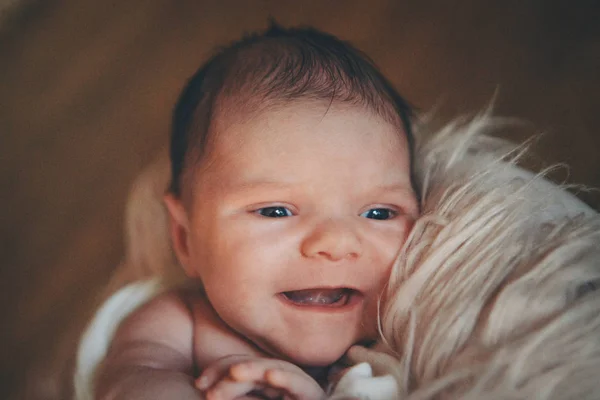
(305, 196)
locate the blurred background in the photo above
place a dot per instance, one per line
(87, 88)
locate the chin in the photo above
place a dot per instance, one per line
(317, 355)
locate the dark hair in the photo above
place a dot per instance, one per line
(278, 65)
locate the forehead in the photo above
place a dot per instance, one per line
(305, 138)
(301, 120)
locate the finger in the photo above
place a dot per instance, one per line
(254, 370)
(357, 354)
(227, 389)
(298, 386)
(381, 363)
(217, 371)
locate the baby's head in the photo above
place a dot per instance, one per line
(292, 190)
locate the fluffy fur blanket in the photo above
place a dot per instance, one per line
(493, 295)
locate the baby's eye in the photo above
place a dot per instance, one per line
(379, 213)
(274, 212)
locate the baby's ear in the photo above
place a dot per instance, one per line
(179, 230)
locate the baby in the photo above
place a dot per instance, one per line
(291, 196)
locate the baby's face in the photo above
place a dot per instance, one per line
(295, 224)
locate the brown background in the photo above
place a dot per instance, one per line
(86, 89)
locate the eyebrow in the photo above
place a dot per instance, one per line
(396, 187)
(260, 184)
(404, 189)
(250, 187)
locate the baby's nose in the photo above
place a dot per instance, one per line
(333, 240)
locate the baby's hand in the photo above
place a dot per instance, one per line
(235, 376)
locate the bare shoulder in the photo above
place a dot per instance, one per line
(158, 334)
(151, 353)
(167, 315)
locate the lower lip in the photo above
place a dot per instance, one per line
(355, 298)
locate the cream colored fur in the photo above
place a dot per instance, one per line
(492, 296)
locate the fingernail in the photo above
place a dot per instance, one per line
(239, 371)
(202, 383)
(273, 376)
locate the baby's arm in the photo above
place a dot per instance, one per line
(157, 351)
(151, 355)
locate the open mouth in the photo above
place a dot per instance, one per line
(320, 297)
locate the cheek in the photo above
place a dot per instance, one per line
(240, 254)
(384, 248)
(386, 243)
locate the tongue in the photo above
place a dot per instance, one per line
(317, 296)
